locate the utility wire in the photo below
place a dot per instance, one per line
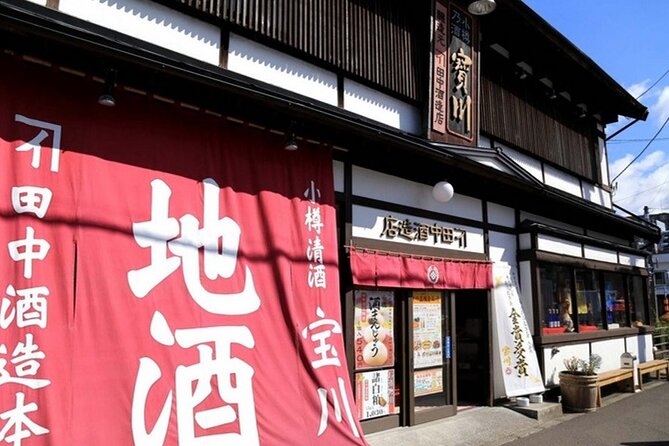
(624, 141)
(641, 153)
(654, 84)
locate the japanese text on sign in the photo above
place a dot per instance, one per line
(214, 344)
(27, 307)
(320, 331)
(414, 231)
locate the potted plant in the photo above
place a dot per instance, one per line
(578, 384)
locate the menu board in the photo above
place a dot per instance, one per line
(426, 382)
(375, 393)
(373, 324)
(427, 339)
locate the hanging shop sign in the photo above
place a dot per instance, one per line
(148, 295)
(375, 393)
(454, 75)
(374, 328)
(416, 231)
(517, 359)
(379, 224)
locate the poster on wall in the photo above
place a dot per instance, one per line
(427, 339)
(166, 277)
(375, 393)
(428, 381)
(519, 364)
(373, 324)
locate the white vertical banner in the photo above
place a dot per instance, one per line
(515, 353)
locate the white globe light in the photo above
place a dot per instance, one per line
(442, 191)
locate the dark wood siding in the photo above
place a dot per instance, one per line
(514, 112)
(374, 40)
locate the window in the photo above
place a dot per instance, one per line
(588, 301)
(636, 286)
(556, 294)
(615, 300)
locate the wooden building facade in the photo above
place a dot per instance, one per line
(469, 176)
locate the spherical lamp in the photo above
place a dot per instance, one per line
(442, 191)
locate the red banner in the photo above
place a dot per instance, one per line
(167, 277)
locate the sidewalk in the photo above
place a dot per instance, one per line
(480, 426)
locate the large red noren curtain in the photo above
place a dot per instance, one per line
(168, 277)
(394, 271)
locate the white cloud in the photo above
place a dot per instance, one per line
(638, 88)
(660, 110)
(644, 183)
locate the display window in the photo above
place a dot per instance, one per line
(555, 292)
(638, 309)
(586, 300)
(615, 299)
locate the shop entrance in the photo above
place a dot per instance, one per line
(472, 345)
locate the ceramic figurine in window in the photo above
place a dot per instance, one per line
(565, 310)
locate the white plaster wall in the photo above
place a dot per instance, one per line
(502, 247)
(501, 215)
(604, 162)
(525, 241)
(603, 255)
(368, 223)
(596, 195)
(563, 181)
(492, 163)
(153, 23)
(273, 67)
(558, 246)
(645, 347)
(632, 345)
(632, 260)
(531, 165)
(554, 360)
(380, 107)
(371, 184)
(610, 351)
(525, 294)
(550, 222)
(338, 171)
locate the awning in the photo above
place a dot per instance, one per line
(393, 270)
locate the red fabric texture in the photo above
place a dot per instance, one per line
(395, 271)
(388, 270)
(363, 267)
(186, 255)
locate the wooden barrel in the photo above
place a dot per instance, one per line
(579, 392)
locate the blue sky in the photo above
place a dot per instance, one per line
(629, 39)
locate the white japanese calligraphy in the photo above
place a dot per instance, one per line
(26, 360)
(312, 219)
(31, 308)
(27, 250)
(31, 199)
(17, 419)
(160, 233)
(194, 384)
(322, 396)
(327, 352)
(35, 143)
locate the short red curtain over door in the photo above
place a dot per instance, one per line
(394, 271)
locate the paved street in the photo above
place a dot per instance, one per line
(641, 419)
